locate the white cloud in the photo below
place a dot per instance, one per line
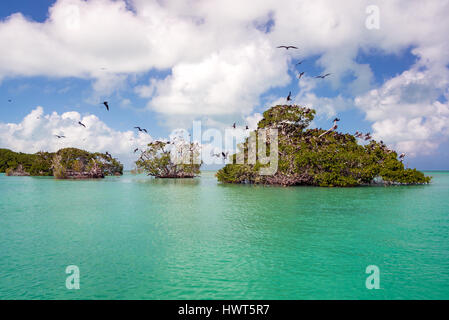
(37, 132)
(407, 112)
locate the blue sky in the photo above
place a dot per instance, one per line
(163, 65)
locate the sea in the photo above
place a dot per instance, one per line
(135, 237)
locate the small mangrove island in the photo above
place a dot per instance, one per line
(176, 159)
(67, 163)
(318, 157)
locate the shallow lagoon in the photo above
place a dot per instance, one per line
(134, 237)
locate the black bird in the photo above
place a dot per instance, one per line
(81, 124)
(336, 119)
(300, 62)
(324, 76)
(300, 75)
(233, 125)
(288, 47)
(289, 97)
(138, 128)
(106, 105)
(224, 155)
(59, 137)
(107, 153)
(247, 128)
(402, 156)
(145, 130)
(137, 149)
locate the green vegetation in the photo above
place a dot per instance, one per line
(169, 160)
(335, 159)
(66, 163)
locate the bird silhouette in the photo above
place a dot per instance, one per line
(107, 153)
(247, 128)
(300, 75)
(233, 125)
(106, 105)
(81, 124)
(300, 62)
(323, 76)
(402, 156)
(289, 97)
(288, 47)
(135, 150)
(59, 137)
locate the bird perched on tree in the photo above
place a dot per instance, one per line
(288, 47)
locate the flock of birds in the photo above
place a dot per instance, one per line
(224, 155)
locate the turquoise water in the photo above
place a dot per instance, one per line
(134, 237)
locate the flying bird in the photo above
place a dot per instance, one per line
(402, 156)
(300, 62)
(323, 76)
(135, 150)
(59, 137)
(106, 105)
(233, 125)
(81, 124)
(289, 97)
(288, 47)
(300, 75)
(247, 128)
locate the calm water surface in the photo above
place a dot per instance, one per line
(134, 237)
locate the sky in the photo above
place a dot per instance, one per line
(163, 64)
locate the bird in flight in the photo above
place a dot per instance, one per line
(247, 128)
(233, 125)
(59, 137)
(135, 150)
(300, 62)
(81, 124)
(323, 76)
(300, 75)
(402, 156)
(289, 97)
(367, 136)
(106, 105)
(334, 127)
(224, 155)
(287, 47)
(140, 129)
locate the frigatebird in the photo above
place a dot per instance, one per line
(81, 124)
(323, 76)
(289, 97)
(299, 62)
(106, 105)
(288, 47)
(59, 137)
(300, 75)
